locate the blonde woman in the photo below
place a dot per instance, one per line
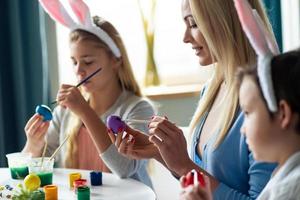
(218, 149)
(83, 112)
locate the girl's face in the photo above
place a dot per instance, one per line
(262, 132)
(194, 36)
(87, 57)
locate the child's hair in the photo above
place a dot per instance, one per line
(285, 69)
(125, 76)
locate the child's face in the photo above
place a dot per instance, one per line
(87, 57)
(258, 127)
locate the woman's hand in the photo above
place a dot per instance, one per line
(170, 141)
(134, 144)
(196, 191)
(35, 130)
(69, 96)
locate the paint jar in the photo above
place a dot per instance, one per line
(73, 177)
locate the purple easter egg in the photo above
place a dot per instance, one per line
(115, 123)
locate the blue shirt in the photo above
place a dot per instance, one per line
(231, 163)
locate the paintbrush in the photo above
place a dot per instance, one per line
(54, 102)
(142, 121)
(44, 152)
(60, 146)
(83, 81)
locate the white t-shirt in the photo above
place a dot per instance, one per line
(127, 106)
(286, 182)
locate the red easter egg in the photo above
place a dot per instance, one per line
(201, 179)
(189, 178)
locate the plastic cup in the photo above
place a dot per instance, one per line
(44, 169)
(18, 164)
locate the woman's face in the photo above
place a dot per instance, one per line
(194, 36)
(87, 57)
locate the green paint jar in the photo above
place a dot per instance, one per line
(83, 193)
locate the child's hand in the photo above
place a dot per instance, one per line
(35, 130)
(134, 144)
(196, 191)
(70, 97)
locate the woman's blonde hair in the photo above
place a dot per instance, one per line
(125, 76)
(229, 47)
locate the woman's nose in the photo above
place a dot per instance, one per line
(186, 36)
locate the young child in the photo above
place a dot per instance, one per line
(275, 136)
(271, 136)
(270, 99)
(83, 111)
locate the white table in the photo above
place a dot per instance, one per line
(113, 188)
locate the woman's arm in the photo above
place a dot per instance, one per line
(259, 175)
(172, 145)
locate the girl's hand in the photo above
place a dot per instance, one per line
(35, 130)
(134, 144)
(170, 141)
(70, 97)
(196, 192)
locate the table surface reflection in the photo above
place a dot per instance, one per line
(113, 187)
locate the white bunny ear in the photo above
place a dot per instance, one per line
(263, 44)
(57, 11)
(271, 41)
(81, 11)
(251, 27)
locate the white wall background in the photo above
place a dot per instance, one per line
(290, 10)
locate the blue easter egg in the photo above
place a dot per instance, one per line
(45, 111)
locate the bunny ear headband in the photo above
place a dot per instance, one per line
(264, 45)
(57, 11)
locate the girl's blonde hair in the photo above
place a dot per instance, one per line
(125, 76)
(229, 47)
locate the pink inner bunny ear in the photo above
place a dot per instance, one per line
(251, 27)
(272, 43)
(56, 10)
(81, 11)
